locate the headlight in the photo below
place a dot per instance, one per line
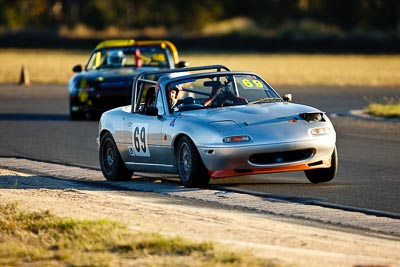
(312, 117)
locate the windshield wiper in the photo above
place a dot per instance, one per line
(265, 100)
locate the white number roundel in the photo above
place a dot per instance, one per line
(139, 139)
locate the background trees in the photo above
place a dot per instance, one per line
(343, 15)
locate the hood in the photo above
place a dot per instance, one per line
(252, 115)
(276, 122)
(117, 73)
(108, 78)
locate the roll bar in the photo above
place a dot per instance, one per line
(159, 73)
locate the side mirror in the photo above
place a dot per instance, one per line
(287, 97)
(77, 68)
(152, 111)
(182, 64)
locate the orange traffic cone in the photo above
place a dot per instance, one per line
(24, 77)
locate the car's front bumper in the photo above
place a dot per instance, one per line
(279, 157)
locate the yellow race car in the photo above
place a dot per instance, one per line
(106, 80)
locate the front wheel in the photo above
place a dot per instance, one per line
(74, 115)
(325, 174)
(111, 163)
(191, 169)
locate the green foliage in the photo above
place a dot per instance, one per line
(388, 108)
(23, 13)
(194, 15)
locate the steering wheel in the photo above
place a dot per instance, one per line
(217, 99)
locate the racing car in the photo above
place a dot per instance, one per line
(106, 81)
(210, 122)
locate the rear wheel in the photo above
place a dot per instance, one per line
(191, 169)
(325, 174)
(111, 163)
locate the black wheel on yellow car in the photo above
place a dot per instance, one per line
(111, 163)
(75, 115)
(323, 175)
(191, 169)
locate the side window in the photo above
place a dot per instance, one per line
(146, 98)
(140, 104)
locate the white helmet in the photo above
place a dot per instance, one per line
(116, 59)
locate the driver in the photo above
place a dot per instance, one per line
(173, 94)
(116, 59)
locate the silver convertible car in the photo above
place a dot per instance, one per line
(211, 122)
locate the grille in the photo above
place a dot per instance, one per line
(282, 157)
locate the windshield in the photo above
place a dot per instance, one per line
(140, 56)
(220, 90)
(254, 89)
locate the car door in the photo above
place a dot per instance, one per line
(143, 133)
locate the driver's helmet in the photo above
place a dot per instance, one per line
(116, 59)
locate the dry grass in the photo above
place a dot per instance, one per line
(295, 69)
(43, 239)
(54, 66)
(44, 66)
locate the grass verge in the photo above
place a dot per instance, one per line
(43, 239)
(390, 108)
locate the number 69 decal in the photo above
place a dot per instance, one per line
(139, 140)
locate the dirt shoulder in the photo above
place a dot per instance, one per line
(277, 239)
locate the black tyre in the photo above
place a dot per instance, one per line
(111, 163)
(75, 115)
(325, 174)
(191, 169)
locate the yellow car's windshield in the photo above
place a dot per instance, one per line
(140, 56)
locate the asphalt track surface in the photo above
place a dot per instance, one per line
(34, 124)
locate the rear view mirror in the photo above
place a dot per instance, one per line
(77, 68)
(287, 97)
(182, 64)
